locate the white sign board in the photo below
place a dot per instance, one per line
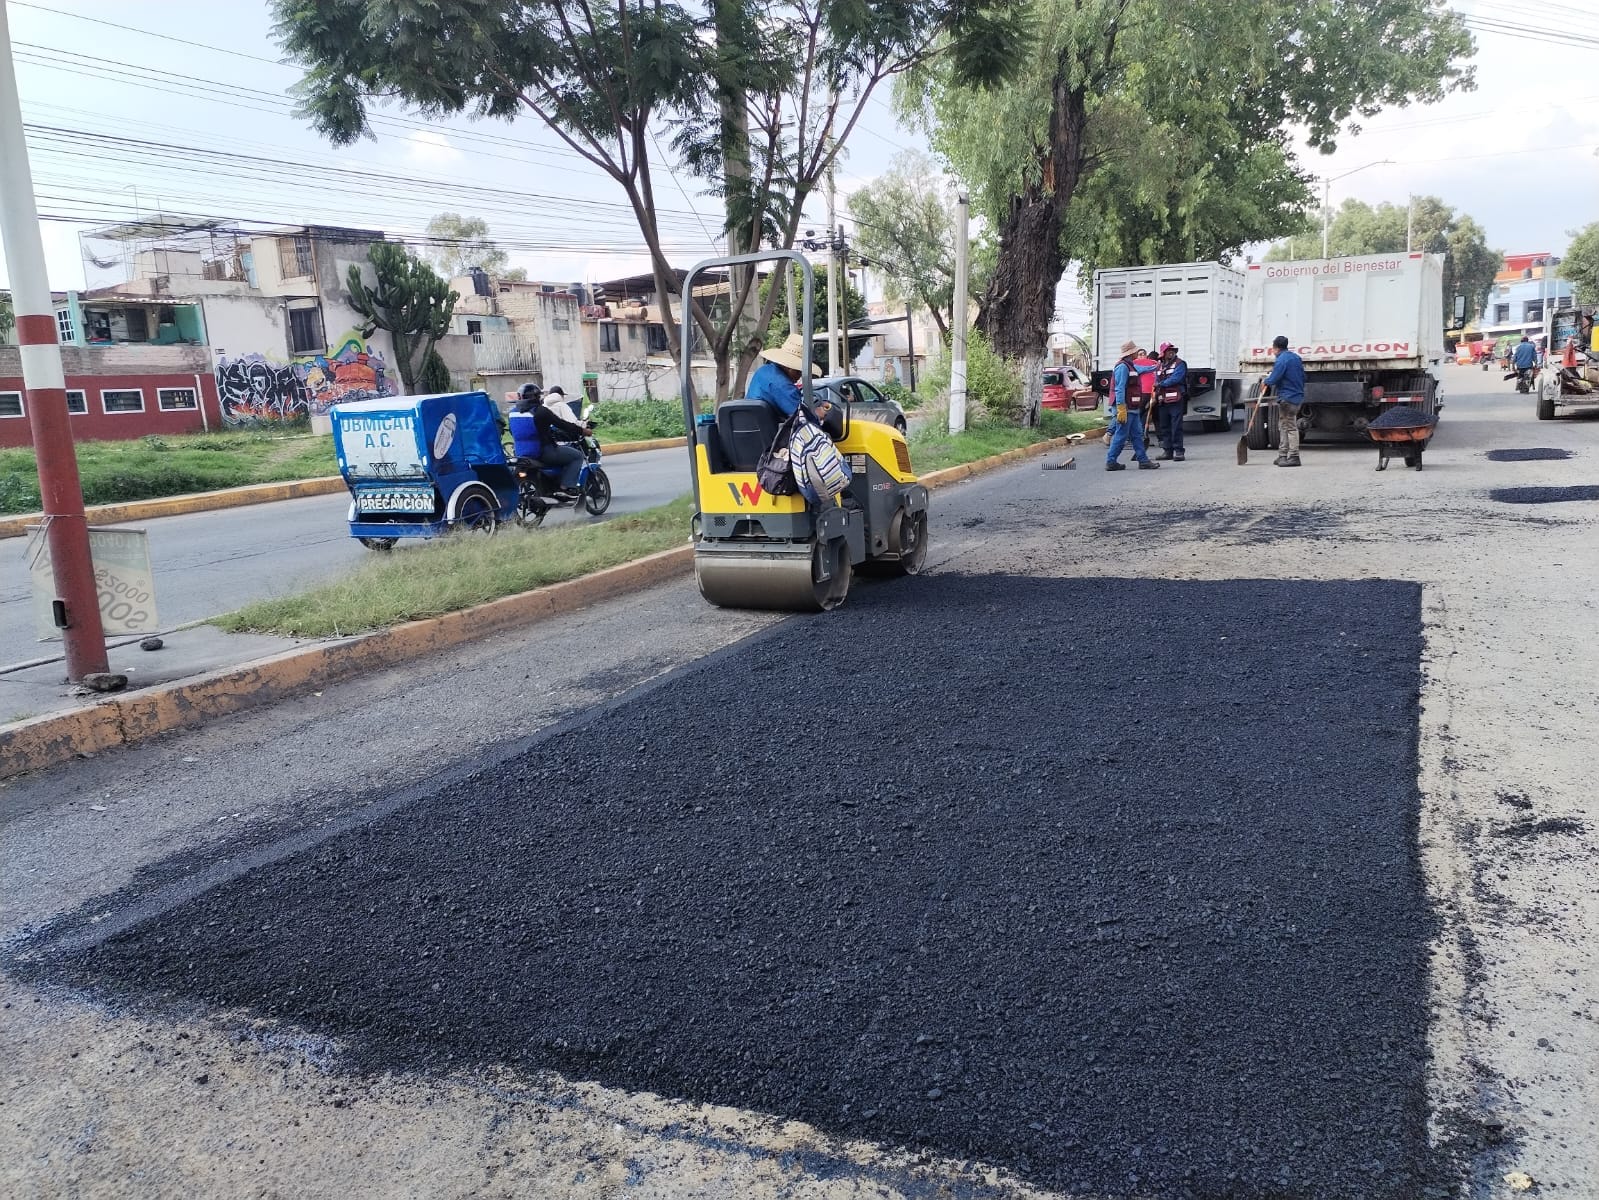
(381, 446)
(121, 573)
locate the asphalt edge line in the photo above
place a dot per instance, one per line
(238, 497)
(138, 716)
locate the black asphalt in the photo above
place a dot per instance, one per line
(1050, 873)
(1545, 495)
(1527, 454)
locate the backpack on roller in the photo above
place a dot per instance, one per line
(773, 470)
(819, 469)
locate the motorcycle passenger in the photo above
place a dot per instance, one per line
(555, 400)
(544, 440)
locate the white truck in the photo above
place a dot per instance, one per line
(1370, 329)
(1195, 306)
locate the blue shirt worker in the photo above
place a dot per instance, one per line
(776, 381)
(1171, 402)
(1525, 355)
(1288, 377)
(1127, 412)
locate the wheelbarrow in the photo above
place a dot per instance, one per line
(1402, 441)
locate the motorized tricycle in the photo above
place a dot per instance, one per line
(422, 466)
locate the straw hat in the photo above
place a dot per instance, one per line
(1129, 348)
(790, 354)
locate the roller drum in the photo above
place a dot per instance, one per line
(783, 580)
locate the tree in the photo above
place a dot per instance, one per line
(456, 244)
(906, 229)
(1422, 223)
(851, 308)
(759, 98)
(409, 300)
(1119, 85)
(8, 318)
(1581, 263)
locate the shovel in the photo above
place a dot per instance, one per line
(1243, 442)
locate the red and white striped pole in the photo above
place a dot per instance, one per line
(77, 604)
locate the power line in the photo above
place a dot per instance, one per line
(166, 37)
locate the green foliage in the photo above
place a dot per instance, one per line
(933, 447)
(993, 383)
(8, 317)
(851, 307)
(1155, 130)
(1581, 263)
(409, 300)
(1434, 227)
(435, 375)
(906, 228)
(638, 420)
(461, 243)
(894, 390)
(171, 465)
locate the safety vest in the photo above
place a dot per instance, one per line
(525, 433)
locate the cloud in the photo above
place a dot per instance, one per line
(430, 147)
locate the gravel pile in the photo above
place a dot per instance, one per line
(1403, 416)
(1532, 454)
(927, 870)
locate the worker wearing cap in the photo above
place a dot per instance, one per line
(1171, 401)
(1127, 411)
(1288, 377)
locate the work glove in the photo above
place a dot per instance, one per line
(1121, 414)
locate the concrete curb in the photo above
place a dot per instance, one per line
(138, 716)
(253, 493)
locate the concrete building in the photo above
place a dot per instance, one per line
(521, 331)
(1527, 286)
(132, 368)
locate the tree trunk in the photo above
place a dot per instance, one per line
(1032, 387)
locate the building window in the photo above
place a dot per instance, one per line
(305, 331)
(657, 335)
(122, 400)
(634, 333)
(474, 330)
(66, 332)
(176, 399)
(560, 323)
(294, 256)
(77, 401)
(1501, 313)
(610, 341)
(10, 404)
(1532, 310)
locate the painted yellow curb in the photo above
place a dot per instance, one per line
(238, 497)
(125, 720)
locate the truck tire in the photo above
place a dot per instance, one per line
(1260, 432)
(1546, 399)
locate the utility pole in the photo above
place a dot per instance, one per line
(832, 276)
(957, 323)
(910, 343)
(1410, 220)
(66, 530)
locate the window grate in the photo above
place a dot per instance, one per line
(176, 399)
(122, 400)
(305, 331)
(294, 257)
(10, 404)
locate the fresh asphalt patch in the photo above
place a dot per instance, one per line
(1111, 882)
(1528, 454)
(1545, 495)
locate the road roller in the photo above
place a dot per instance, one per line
(756, 550)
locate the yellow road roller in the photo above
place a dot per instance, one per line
(756, 550)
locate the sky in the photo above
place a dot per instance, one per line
(179, 106)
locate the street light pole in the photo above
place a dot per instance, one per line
(66, 530)
(1326, 196)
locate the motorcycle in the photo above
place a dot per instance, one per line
(538, 491)
(1526, 377)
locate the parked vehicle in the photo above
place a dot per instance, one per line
(865, 401)
(1370, 330)
(1564, 390)
(1196, 307)
(421, 466)
(537, 491)
(1065, 388)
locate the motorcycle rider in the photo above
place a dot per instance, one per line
(538, 433)
(1525, 358)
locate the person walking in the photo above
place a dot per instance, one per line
(1171, 402)
(1127, 411)
(1288, 377)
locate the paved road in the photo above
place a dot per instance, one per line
(742, 901)
(211, 562)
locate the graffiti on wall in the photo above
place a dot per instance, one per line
(255, 389)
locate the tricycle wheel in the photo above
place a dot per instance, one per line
(476, 516)
(1546, 398)
(372, 543)
(597, 492)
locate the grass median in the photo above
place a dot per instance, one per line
(428, 579)
(161, 465)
